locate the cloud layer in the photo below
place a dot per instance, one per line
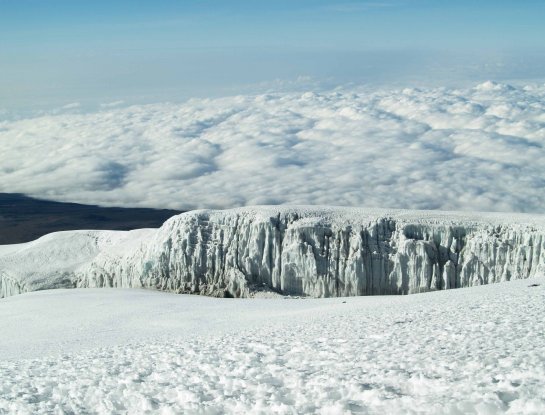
(474, 149)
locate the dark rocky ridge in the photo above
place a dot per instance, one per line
(23, 218)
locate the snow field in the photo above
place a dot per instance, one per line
(479, 350)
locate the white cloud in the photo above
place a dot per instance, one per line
(112, 104)
(472, 149)
(71, 106)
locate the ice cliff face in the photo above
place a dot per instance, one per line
(319, 252)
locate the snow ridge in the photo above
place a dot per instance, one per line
(307, 251)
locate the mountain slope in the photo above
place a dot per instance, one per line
(23, 218)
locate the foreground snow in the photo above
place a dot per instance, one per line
(476, 350)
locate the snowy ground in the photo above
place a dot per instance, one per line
(475, 350)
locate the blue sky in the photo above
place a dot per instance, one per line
(60, 51)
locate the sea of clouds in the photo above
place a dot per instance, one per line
(479, 148)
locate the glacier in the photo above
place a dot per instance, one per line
(298, 251)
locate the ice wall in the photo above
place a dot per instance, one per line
(324, 252)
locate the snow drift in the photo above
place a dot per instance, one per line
(307, 251)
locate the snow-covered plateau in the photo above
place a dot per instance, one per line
(298, 251)
(478, 350)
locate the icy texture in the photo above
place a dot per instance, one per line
(318, 252)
